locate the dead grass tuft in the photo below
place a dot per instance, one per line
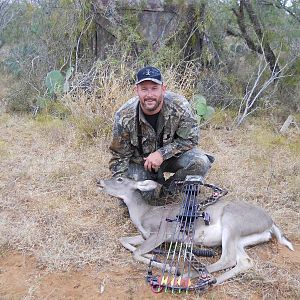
(5, 84)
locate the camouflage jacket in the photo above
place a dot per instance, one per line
(177, 132)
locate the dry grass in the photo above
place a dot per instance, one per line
(50, 205)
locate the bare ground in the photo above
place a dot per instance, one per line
(59, 236)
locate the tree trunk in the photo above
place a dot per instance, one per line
(269, 54)
(264, 46)
(243, 28)
(195, 43)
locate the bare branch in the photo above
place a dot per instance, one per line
(249, 103)
(79, 38)
(268, 52)
(281, 5)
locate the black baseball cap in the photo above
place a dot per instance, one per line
(149, 73)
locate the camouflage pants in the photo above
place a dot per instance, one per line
(192, 162)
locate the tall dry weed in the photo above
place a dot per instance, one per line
(111, 85)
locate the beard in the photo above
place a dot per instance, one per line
(151, 104)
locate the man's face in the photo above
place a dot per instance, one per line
(151, 96)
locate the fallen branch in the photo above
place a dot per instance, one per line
(290, 120)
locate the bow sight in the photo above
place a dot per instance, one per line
(180, 258)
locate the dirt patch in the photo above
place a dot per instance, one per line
(21, 277)
(293, 257)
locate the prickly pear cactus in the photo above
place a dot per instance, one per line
(203, 110)
(54, 82)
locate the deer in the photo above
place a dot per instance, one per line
(234, 225)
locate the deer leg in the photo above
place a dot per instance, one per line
(228, 257)
(256, 238)
(148, 245)
(244, 262)
(130, 241)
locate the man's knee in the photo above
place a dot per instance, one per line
(200, 166)
(192, 162)
(196, 159)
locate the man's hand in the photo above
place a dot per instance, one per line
(153, 161)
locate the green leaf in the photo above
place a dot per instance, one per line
(203, 111)
(200, 105)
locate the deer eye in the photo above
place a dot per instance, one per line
(119, 179)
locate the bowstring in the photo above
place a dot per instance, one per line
(188, 229)
(184, 228)
(191, 232)
(180, 237)
(160, 224)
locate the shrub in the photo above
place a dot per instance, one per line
(21, 98)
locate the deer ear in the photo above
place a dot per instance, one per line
(146, 185)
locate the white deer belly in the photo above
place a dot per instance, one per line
(208, 235)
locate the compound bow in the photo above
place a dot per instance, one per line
(181, 257)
